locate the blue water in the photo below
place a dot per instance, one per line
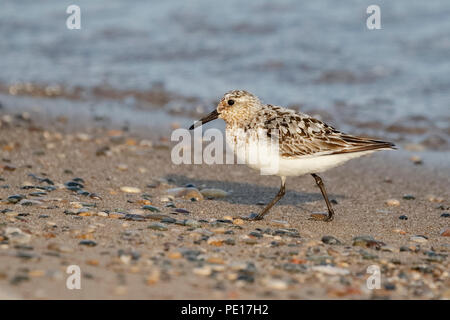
(315, 54)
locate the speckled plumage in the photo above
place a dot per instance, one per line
(299, 134)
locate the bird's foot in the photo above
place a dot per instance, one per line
(321, 217)
(252, 217)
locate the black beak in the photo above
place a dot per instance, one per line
(210, 117)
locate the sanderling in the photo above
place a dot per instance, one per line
(305, 145)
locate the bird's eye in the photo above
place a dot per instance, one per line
(230, 102)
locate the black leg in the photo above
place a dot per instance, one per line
(280, 195)
(321, 186)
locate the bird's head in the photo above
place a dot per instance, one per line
(235, 107)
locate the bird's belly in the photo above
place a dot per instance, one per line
(314, 164)
(261, 155)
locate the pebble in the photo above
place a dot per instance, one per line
(330, 270)
(433, 198)
(214, 193)
(202, 271)
(130, 189)
(331, 240)
(15, 198)
(168, 220)
(419, 238)
(59, 248)
(399, 231)
(182, 211)
(102, 214)
(445, 215)
(367, 242)
(17, 236)
(445, 232)
(186, 193)
(151, 208)
(280, 223)
(29, 202)
(88, 243)
(409, 197)
(389, 249)
(392, 202)
(214, 241)
(153, 277)
(134, 217)
(275, 284)
(192, 223)
(156, 216)
(158, 226)
(403, 217)
(416, 160)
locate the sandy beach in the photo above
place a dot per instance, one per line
(90, 196)
(103, 199)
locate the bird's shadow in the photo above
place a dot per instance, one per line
(251, 194)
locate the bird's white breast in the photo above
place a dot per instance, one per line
(254, 148)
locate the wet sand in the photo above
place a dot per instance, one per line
(205, 251)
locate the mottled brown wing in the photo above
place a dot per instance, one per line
(301, 135)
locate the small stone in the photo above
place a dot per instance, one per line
(392, 202)
(59, 248)
(367, 242)
(214, 193)
(93, 262)
(419, 238)
(399, 231)
(15, 198)
(409, 197)
(122, 167)
(17, 236)
(331, 240)
(116, 215)
(330, 270)
(153, 277)
(168, 220)
(174, 255)
(230, 242)
(214, 241)
(102, 214)
(130, 189)
(445, 215)
(416, 160)
(250, 241)
(389, 249)
(158, 227)
(76, 205)
(155, 216)
(88, 243)
(192, 223)
(238, 221)
(202, 271)
(433, 198)
(134, 217)
(403, 217)
(182, 211)
(36, 273)
(186, 193)
(151, 208)
(276, 284)
(445, 232)
(29, 202)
